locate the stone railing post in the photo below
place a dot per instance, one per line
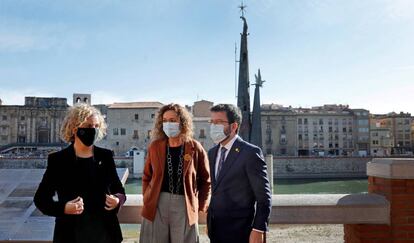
(394, 179)
(269, 163)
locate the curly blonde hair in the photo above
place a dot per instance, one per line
(186, 122)
(75, 116)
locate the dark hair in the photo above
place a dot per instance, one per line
(232, 112)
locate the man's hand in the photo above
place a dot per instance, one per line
(74, 206)
(256, 237)
(111, 202)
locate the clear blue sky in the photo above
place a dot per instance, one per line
(310, 52)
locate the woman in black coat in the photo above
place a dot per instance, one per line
(81, 187)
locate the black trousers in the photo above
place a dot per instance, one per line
(229, 229)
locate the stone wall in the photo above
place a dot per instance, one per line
(38, 163)
(297, 167)
(284, 167)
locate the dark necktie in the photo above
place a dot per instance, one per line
(221, 160)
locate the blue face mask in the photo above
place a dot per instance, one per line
(171, 129)
(217, 133)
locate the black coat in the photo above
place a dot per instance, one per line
(241, 197)
(62, 177)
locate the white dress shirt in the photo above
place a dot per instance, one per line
(228, 147)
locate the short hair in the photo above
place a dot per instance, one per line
(186, 122)
(232, 112)
(75, 116)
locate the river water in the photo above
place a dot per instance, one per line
(294, 186)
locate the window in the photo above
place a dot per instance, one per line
(300, 121)
(320, 121)
(136, 116)
(115, 131)
(117, 143)
(4, 138)
(21, 139)
(330, 129)
(344, 129)
(4, 118)
(152, 115)
(362, 122)
(305, 121)
(123, 131)
(202, 133)
(22, 118)
(300, 137)
(135, 136)
(282, 139)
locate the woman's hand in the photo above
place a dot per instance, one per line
(111, 202)
(74, 206)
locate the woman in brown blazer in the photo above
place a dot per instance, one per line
(176, 180)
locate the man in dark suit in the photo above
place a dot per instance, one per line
(240, 204)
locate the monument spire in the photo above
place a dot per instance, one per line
(256, 135)
(242, 8)
(243, 94)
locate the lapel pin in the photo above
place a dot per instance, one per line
(187, 157)
(100, 162)
(237, 150)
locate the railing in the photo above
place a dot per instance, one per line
(13, 145)
(385, 213)
(301, 209)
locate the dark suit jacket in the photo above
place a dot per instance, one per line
(61, 177)
(241, 197)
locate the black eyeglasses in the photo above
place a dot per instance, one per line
(218, 121)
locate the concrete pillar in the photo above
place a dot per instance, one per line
(394, 179)
(269, 163)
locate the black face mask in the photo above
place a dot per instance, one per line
(87, 135)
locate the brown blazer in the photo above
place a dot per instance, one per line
(197, 188)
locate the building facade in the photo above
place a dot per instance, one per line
(129, 125)
(201, 117)
(38, 121)
(381, 141)
(329, 130)
(400, 126)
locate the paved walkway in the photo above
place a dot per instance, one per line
(19, 218)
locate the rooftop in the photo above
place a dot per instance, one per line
(134, 105)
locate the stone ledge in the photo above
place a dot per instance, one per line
(301, 209)
(391, 168)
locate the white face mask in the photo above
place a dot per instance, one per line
(171, 129)
(217, 133)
